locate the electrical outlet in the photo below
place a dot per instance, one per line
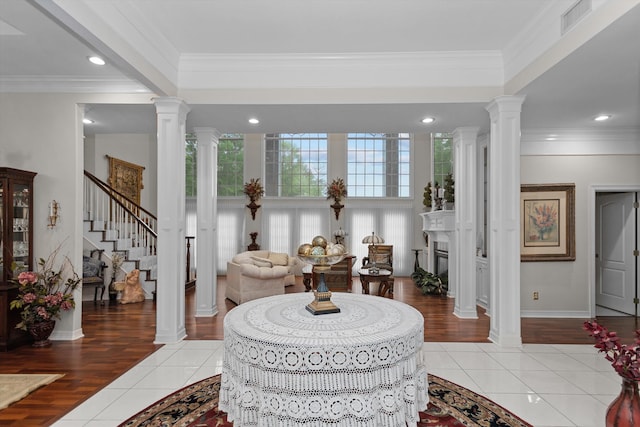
(536, 295)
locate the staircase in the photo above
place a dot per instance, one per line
(115, 224)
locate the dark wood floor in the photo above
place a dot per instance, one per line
(118, 336)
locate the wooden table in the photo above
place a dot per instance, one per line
(383, 277)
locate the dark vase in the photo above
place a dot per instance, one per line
(41, 331)
(625, 409)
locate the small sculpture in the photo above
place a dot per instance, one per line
(131, 288)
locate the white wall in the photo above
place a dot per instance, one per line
(422, 175)
(40, 133)
(43, 133)
(139, 149)
(564, 286)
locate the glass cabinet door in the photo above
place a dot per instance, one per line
(2, 189)
(16, 223)
(21, 206)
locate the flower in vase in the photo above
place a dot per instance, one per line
(336, 190)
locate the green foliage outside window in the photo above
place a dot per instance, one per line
(191, 173)
(442, 157)
(296, 165)
(230, 165)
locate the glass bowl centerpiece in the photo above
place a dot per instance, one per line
(321, 254)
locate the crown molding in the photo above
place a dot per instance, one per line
(69, 84)
(400, 69)
(580, 142)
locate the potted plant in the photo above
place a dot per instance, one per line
(428, 282)
(117, 259)
(43, 294)
(337, 191)
(449, 190)
(254, 190)
(427, 201)
(625, 409)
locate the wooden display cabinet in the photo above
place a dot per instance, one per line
(16, 248)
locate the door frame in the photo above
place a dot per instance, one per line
(591, 234)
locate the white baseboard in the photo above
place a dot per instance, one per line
(555, 314)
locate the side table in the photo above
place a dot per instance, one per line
(383, 277)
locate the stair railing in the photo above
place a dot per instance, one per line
(121, 216)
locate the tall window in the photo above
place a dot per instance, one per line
(191, 161)
(378, 165)
(296, 164)
(442, 157)
(230, 164)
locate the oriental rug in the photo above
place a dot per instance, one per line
(450, 405)
(14, 387)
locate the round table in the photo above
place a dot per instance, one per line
(360, 367)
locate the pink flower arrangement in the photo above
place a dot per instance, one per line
(42, 294)
(624, 359)
(545, 218)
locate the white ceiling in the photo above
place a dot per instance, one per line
(594, 68)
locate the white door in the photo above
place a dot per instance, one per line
(615, 243)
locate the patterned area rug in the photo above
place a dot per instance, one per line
(14, 387)
(450, 406)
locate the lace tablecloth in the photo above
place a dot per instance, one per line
(283, 366)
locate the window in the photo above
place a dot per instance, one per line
(191, 161)
(378, 165)
(296, 164)
(230, 164)
(442, 157)
(393, 223)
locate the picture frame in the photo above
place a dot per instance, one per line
(547, 229)
(126, 178)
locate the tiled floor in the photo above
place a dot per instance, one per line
(546, 385)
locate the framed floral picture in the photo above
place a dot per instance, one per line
(547, 229)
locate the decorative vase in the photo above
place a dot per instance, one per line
(625, 409)
(253, 246)
(41, 331)
(337, 207)
(253, 207)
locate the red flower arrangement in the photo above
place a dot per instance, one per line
(336, 190)
(624, 359)
(253, 189)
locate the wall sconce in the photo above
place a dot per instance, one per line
(53, 213)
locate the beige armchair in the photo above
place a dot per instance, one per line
(257, 274)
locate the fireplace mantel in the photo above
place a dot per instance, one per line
(439, 224)
(441, 227)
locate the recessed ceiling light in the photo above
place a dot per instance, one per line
(87, 121)
(602, 117)
(254, 121)
(96, 60)
(428, 120)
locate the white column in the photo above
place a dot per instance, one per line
(170, 305)
(464, 154)
(504, 220)
(207, 218)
